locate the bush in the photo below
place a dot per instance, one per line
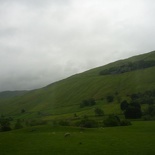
(5, 124)
(64, 123)
(149, 113)
(88, 102)
(124, 105)
(99, 112)
(110, 98)
(133, 112)
(23, 111)
(147, 118)
(112, 120)
(125, 122)
(150, 110)
(87, 123)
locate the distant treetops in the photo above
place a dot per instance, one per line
(127, 67)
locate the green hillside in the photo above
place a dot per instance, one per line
(10, 94)
(65, 96)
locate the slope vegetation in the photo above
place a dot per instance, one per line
(65, 96)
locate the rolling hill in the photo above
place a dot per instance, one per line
(64, 97)
(10, 94)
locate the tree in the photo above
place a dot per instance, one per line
(110, 98)
(112, 120)
(98, 111)
(150, 110)
(4, 124)
(87, 123)
(133, 112)
(88, 102)
(23, 111)
(124, 105)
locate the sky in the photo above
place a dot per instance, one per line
(43, 41)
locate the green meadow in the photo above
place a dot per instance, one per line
(139, 138)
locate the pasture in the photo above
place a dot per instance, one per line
(139, 138)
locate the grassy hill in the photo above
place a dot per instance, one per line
(10, 94)
(64, 97)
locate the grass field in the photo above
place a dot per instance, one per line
(139, 138)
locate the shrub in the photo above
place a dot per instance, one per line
(150, 110)
(149, 113)
(4, 124)
(124, 105)
(133, 112)
(110, 98)
(112, 120)
(87, 123)
(125, 122)
(147, 118)
(23, 111)
(88, 102)
(64, 123)
(99, 112)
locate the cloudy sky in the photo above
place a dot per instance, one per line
(42, 41)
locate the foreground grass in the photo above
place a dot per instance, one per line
(132, 140)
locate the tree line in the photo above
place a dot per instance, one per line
(130, 66)
(132, 108)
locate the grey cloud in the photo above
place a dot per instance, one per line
(45, 41)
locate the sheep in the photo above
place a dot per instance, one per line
(67, 134)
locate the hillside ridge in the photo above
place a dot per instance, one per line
(65, 96)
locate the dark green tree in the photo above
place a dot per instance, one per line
(112, 120)
(23, 111)
(133, 112)
(124, 105)
(98, 111)
(4, 124)
(110, 98)
(87, 123)
(88, 102)
(150, 110)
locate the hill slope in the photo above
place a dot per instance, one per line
(66, 95)
(10, 94)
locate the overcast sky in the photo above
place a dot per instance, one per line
(42, 41)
